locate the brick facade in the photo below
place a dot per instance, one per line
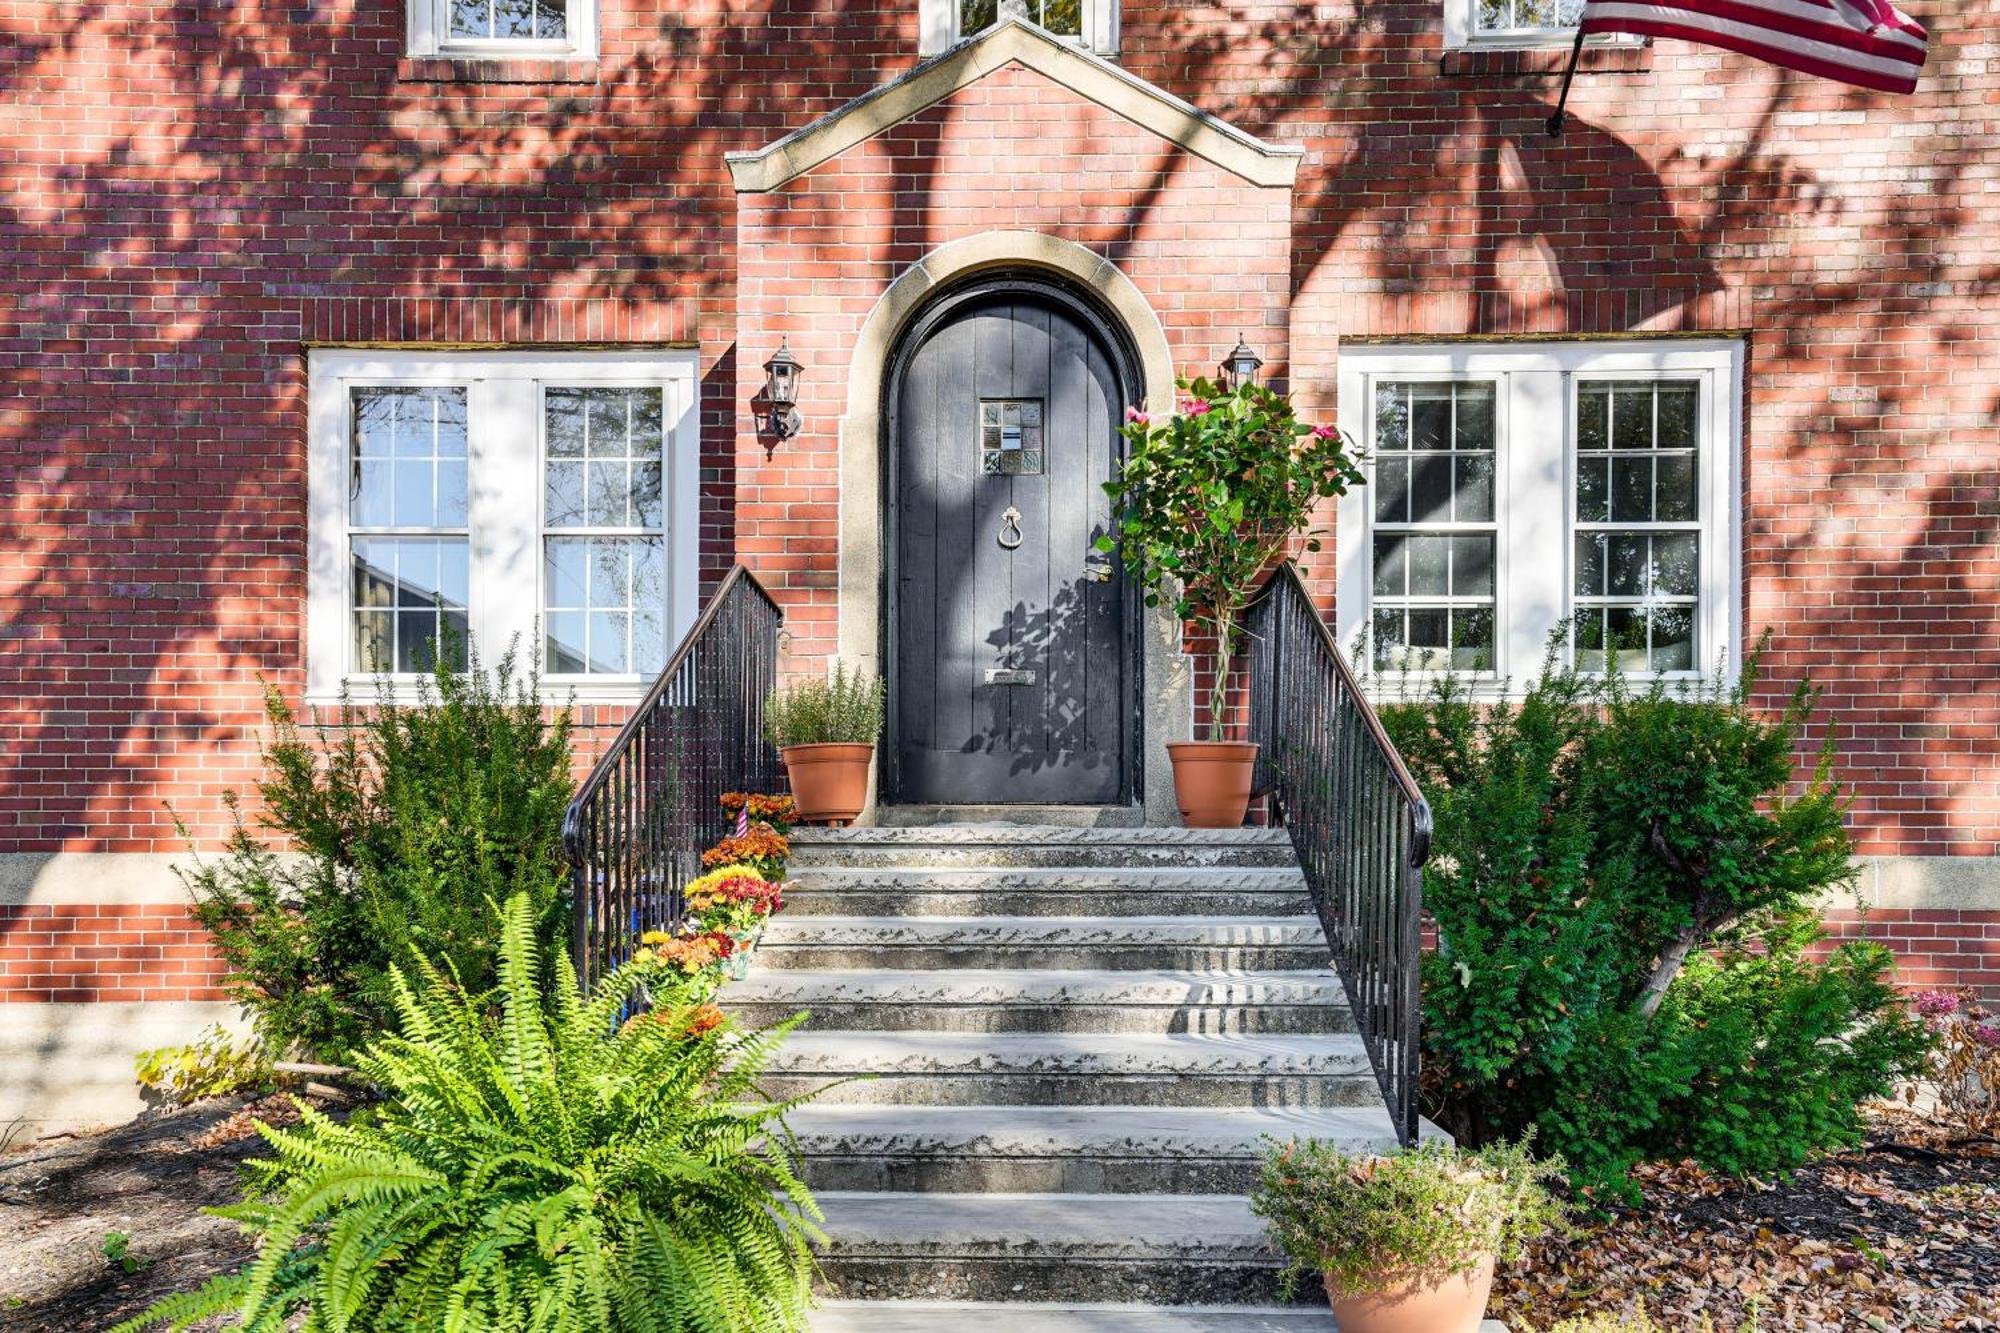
(192, 197)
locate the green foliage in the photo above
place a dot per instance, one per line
(1373, 1223)
(1784, 1050)
(551, 1167)
(215, 1064)
(1208, 498)
(1621, 880)
(411, 822)
(840, 708)
(117, 1247)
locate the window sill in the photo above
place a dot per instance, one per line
(1544, 61)
(489, 69)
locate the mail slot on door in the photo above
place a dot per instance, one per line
(1009, 676)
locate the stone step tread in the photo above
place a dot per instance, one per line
(920, 1052)
(1035, 835)
(1000, 986)
(1132, 1227)
(1031, 1317)
(1034, 1317)
(1143, 1132)
(887, 932)
(975, 879)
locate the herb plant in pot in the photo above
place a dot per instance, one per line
(1206, 501)
(825, 731)
(1405, 1243)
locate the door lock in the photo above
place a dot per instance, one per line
(1097, 571)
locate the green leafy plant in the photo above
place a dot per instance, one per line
(215, 1064)
(552, 1166)
(410, 822)
(1208, 498)
(1427, 1214)
(1621, 880)
(117, 1247)
(841, 708)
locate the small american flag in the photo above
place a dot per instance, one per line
(1869, 43)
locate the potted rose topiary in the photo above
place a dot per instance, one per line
(1405, 1243)
(1206, 501)
(825, 731)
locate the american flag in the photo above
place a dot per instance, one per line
(1870, 43)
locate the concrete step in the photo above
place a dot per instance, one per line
(1063, 1150)
(1212, 891)
(948, 846)
(1111, 943)
(1053, 1317)
(1044, 1000)
(1050, 1317)
(1074, 1069)
(1163, 1249)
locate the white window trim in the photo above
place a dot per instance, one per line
(504, 451)
(1534, 486)
(428, 26)
(937, 26)
(1461, 32)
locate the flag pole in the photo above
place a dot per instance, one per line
(1562, 98)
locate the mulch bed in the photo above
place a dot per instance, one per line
(1902, 1235)
(149, 1180)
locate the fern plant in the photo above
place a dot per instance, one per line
(558, 1169)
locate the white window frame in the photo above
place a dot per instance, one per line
(937, 26)
(504, 504)
(428, 26)
(1461, 32)
(1534, 488)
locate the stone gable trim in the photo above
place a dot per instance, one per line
(1015, 41)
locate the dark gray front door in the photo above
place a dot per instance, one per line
(1010, 673)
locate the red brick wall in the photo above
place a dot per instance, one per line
(1936, 949)
(187, 196)
(67, 954)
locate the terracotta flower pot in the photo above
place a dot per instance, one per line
(829, 782)
(1455, 1305)
(1212, 781)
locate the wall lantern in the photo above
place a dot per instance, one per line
(1240, 366)
(781, 392)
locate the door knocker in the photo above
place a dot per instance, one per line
(1010, 528)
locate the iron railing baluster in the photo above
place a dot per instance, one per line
(651, 805)
(1360, 826)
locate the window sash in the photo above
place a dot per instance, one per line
(1535, 491)
(504, 531)
(430, 33)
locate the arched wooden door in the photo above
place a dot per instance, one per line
(1011, 667)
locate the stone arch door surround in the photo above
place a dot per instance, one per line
(1165, 697)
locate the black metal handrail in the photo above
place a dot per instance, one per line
(1361, 827)
(652, 804)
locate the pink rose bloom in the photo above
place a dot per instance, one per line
(1136, 417)
(1197, 407)
(1323, 432)
(1987, 1034)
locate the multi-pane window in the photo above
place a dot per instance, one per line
(1576, 495)
(604, 603)
(1061, 17)
(1525, 18)
(1637, 523)
(1092, 24)
(498, 29)
(407, 549)
(1434, 534)
(509, 20)
(543, 502)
